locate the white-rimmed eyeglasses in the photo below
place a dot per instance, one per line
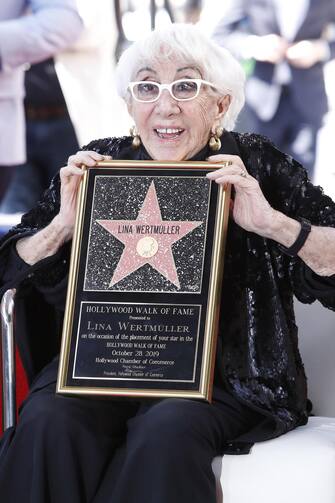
(147, 91)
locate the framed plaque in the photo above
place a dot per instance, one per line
(146, 268)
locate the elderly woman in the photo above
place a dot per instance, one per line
(184, 94)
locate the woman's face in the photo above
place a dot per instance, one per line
(190, 121)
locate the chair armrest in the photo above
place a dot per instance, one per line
(8, 360)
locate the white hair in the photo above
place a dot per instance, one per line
(186, 42)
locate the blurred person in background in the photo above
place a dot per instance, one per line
(289, 43)
(69, 99)
(50, 138)
(30, 31)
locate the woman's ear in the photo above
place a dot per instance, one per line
(223, 105)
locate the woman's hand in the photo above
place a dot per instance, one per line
(70, 177)
(253, 213)
(251, 210)
(47, 241)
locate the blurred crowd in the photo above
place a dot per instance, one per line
(57, 92)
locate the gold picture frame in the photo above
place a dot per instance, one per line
(143, 300)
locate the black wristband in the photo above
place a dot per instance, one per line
(306, 228)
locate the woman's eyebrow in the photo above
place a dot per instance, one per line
(189, 68)
(146, 69)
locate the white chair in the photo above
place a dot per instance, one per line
(298, 467)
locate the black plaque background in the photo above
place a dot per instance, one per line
(167, 345)
(169, 297)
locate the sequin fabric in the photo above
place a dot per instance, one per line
(261, 364)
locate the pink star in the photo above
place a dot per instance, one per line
(148, 240)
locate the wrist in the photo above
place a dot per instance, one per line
(62, 231)
(282, 229)
(44, 243)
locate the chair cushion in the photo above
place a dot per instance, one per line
(297, 467)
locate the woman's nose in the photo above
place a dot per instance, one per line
(166, 104)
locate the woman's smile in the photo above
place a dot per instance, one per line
(169, 133)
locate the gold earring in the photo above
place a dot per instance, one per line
(136, 137)
(214, 141)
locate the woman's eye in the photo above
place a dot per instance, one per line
(186, 86)
(146, 88)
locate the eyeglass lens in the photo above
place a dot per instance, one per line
(181, 90)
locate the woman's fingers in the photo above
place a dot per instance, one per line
(251, 210)
(229, 170)
(239, 182)
(235, 174)
(70, 176)
(87, 157)
(69, 171)
(234, 159)
(235, 166)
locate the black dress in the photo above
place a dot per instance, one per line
(83, 450)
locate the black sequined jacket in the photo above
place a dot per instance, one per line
(258, 358)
